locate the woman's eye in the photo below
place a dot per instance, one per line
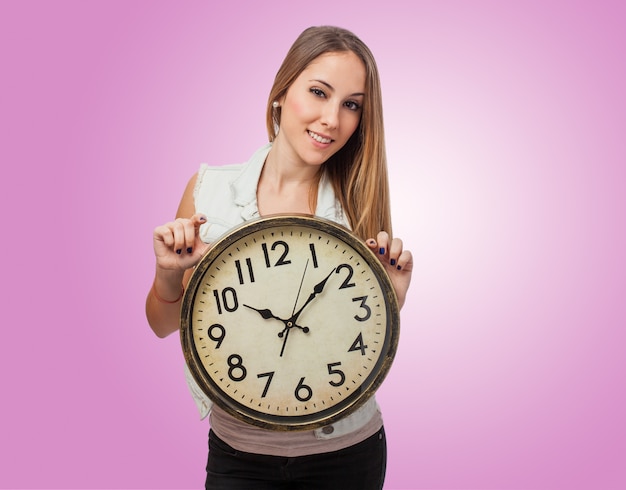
(353, 106)
(318, 92)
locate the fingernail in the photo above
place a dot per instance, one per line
(179, 251)
(382, 251)
(202, 218)
(372, 242)
(398, 267)
(393, 261)
(189, 250)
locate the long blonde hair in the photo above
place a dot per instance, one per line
(358, 171)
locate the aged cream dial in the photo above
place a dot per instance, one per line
(289, 322)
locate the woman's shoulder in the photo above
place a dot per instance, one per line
(217, 170)
(228, 172)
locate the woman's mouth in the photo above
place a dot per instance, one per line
(318, 138)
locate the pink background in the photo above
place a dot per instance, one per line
(506, 137)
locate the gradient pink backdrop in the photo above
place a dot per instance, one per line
(506, 136)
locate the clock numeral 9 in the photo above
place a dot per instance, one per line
(235, 363)
(339, 372)
(308, 392)
(219, 338)
(228, 299)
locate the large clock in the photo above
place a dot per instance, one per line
(289, 322)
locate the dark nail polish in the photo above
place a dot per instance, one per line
(393, 261)
(398, 267)
(189, 250)
(179, 251)
(381, 251)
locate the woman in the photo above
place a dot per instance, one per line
(326, 156)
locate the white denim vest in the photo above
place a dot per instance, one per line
(226, 195)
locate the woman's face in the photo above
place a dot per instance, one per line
(322, 108)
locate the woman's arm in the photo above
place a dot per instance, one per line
(177, 249)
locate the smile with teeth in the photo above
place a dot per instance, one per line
(319, 138)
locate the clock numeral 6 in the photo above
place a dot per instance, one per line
(308, 392)
(228, 300)
(339, 372)
(236, 369)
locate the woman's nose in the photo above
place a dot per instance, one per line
(330, 116)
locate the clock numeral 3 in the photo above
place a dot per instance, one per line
(228, 299)
(368, 311)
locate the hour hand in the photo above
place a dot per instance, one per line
(265, 313)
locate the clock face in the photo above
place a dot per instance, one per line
(289, 322)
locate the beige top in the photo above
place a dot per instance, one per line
(251, 439)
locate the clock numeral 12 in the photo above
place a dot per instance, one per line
(282, 259)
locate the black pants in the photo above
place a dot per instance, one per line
(359, 467)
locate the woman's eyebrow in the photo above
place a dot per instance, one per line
(330, 87)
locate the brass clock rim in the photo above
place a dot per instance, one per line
(302, 422)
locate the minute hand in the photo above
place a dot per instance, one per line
(319, 287)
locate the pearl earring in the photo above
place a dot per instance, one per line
(275, 104)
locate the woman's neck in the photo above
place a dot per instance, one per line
(286, 187)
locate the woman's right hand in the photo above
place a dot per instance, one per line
(177, 244)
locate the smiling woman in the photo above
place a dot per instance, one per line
(319, 113)
(325, 157)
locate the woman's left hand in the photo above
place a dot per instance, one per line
(397, 262)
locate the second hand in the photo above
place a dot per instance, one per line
(287, 328)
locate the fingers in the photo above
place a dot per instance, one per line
(198, 220)
(390, 251)
(180, 235)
